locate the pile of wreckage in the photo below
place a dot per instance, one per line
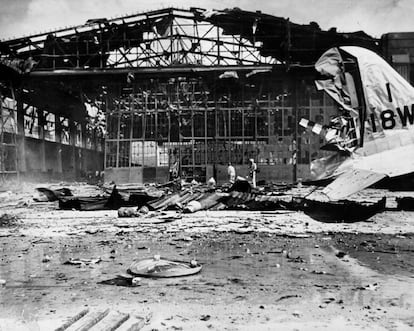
(130, 199)
(135, 200)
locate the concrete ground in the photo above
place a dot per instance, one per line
(261, 270)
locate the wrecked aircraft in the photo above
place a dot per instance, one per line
(373, 135)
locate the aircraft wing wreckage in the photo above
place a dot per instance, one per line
(373, 134)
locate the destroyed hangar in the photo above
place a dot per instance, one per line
(129, 95)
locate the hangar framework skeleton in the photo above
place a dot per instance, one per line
(206, 87)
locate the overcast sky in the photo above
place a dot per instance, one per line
(375, 17)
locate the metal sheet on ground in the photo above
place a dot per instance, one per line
(351, 182)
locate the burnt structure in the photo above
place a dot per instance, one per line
(200, 87)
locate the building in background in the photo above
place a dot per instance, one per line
(398, 50)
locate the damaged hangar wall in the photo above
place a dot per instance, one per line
(201, 87)
(45, 131)
(245, 105)
(43, 142)
(205, 122)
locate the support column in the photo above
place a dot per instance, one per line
(21, 140)
(295, 104)
(85, 154)
(41, 128)
(72, 141)
(58, 139)
(84, 135)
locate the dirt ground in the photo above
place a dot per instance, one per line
(261, 270)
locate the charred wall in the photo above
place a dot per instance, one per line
(205, 122)
(45, 138)
(201, 87)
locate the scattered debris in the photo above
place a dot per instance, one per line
(53, 195)
(241, 185)
(340, 254)
(114, 200)
(193, 206)
(160, 268)
(83, 203)
(328, 300)
(143, 210)
(128, 212)
(184, 238)
(369, 287)
(92, 231)
(136, 281)
(7, 220)
(168, 219)
(46, 259)
(296, 259)
(60, 276)
(83, 261)
(337, 211)
(288, 297)
(207, 201)
(253, 201)
(124, 280)
(297, 235)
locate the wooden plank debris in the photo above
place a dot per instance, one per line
(133, 324)
(104, 321)
(72, 320)
(85, 323)
(111, 322)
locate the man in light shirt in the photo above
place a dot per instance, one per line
(252, 172)
(232, 173)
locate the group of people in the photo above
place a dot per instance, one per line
(231, 172)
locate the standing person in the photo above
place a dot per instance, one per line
(232, 173)
(174, 165)
(175, 176)
(174, 170)
(252, 172)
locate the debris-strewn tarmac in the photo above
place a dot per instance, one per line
(274, 270)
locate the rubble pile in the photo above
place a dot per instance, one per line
(135, 200)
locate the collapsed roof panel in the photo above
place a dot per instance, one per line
(284, 40)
